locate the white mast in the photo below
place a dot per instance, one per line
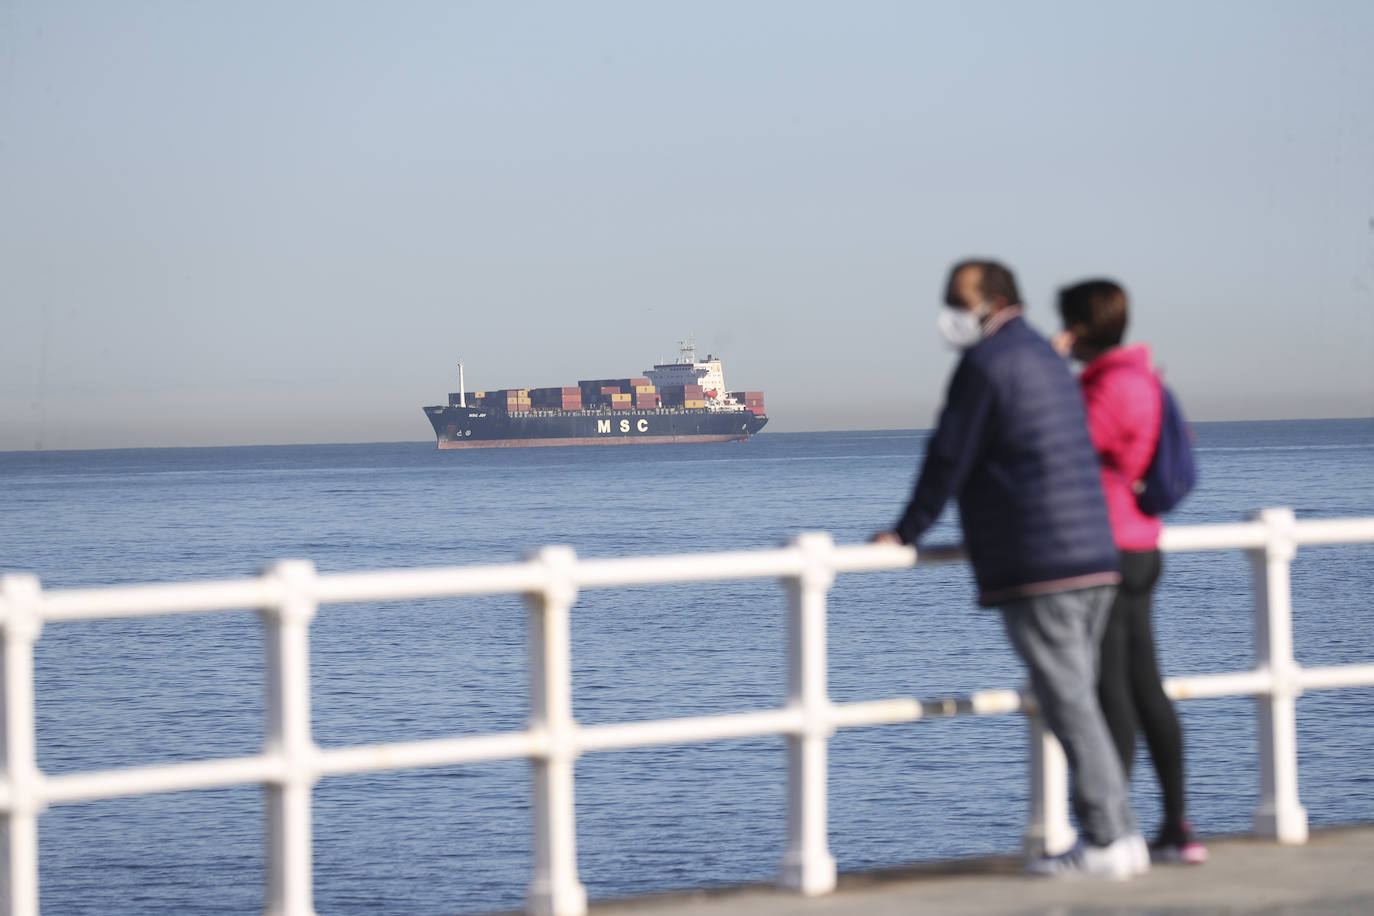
(462, 390)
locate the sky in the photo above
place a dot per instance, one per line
(252, 223)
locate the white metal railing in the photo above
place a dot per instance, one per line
(290, 763)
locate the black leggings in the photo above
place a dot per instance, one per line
(1128, 685)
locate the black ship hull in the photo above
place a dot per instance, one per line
(482, 427)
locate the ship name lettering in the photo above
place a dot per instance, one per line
(603, 426)
(624, 426)
(642, 426)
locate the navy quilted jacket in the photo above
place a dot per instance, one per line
(1012, 446)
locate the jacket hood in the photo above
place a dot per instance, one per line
(1135, 356)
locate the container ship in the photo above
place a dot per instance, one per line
(682, 401)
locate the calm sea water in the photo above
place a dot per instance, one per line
(116, 693)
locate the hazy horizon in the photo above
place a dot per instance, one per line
(259, 224)
(429, 440)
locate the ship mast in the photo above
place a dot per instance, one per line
(462, 389)
(687, 350)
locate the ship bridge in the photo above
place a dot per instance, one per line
(687, 370)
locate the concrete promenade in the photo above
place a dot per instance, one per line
(1333, 874)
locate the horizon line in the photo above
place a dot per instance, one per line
(799, 432)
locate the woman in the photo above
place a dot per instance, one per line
(1123, 401)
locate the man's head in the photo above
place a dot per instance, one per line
(978, 285)
(1095, 313)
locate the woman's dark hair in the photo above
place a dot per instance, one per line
(997, 281)
(1098, 307)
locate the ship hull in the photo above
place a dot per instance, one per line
(477, 427)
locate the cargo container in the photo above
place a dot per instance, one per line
(679, 392)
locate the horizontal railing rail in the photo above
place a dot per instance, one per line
(290, 592)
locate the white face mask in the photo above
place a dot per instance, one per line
(962, 328)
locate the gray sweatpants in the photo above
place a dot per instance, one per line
(1057, 636)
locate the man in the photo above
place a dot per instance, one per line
(1012, 446)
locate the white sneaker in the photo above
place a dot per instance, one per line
(1140, 854)
(1117, 861)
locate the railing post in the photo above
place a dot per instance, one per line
(808, 866)
(1280, 815)
(290, 865)
(22, 621)
(1049, 832)
(555, 889)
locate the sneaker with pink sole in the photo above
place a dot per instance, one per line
(1179, 847)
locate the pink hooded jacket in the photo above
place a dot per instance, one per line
(1122, 397)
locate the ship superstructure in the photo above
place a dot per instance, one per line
(707, 376)
(681, 401)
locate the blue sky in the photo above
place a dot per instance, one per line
(256, 223)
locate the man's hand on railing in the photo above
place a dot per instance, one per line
(886, 537)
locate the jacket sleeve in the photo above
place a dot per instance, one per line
(952, 450)
(1106, 425)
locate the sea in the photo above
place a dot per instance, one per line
(115, 693)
